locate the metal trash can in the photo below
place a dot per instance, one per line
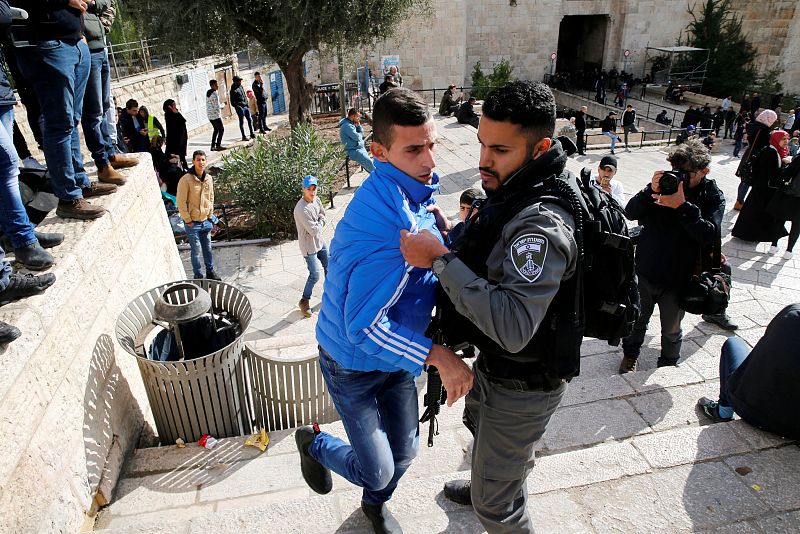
(206, 394)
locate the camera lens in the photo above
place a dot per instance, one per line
(668, 183)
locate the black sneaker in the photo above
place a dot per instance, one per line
(459, 491)
(212, 275)
(8, 332)
(665, 362)
(34, 257)
(25, 285)
(316, 475)
(45, 239)
(711, 409)
(383, 522)
(722, 320)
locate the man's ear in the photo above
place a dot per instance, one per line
(541, 147)
(379, 151)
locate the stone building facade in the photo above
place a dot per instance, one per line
(444, 49)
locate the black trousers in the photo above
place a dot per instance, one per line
(581, 141)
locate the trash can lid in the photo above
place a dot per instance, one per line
(182, 302)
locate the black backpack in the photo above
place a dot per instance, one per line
(610, 292)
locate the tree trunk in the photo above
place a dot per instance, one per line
(300, 91)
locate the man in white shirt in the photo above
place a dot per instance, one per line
(309, 215)
(726, 103)
(604, 179)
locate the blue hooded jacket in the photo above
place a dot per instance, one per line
(376, 307)
(351, 135)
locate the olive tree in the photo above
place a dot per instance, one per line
(285, 29)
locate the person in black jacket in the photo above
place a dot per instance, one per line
(580, 127)
(177, 136)
(676, 228)
(609, 128)
(239, 103)
(261, 101)
(628, 123)
(762, 386)
(466, 114)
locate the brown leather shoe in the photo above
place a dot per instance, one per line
(108, 175)
(628, 364)
(79, 209)
(118, 161)
(305, 309)
(98, 190)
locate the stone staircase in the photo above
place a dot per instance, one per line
(622, 453)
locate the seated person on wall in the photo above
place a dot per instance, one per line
(710, 140)
(449, 103)
(661, 118)
(351, 134)
(762, 386)
(466, 114)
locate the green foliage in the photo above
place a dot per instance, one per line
(285, 29)
(502, 73)
(717, 28)
(265, 179)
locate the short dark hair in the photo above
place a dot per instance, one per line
(130, 104)
(690, 156)
(257, 74)
(468, 196)
(530, 105)
(386, 78)
(400, 107)
(198, 153)
(167, 104)
(212, 83)
(352, 111)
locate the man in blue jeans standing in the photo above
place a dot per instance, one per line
(375, 309)
(309, 216)
(54, 58)
(195, 199)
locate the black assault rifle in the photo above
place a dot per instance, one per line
(435, 394)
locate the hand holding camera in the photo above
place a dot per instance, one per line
(668, 187)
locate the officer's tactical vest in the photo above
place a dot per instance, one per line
(554, 350)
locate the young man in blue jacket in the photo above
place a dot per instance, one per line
(375, 309)
(351, 134)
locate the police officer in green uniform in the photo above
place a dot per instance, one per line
(509, 286)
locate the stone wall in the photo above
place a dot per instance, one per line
(73, 404)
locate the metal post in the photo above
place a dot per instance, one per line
(342, 102)
(114, 60)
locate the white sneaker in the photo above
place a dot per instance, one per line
(772, 250)
(31, 163)
(787, 255)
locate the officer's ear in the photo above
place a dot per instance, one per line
(542, 146)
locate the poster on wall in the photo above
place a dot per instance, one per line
(388, 61)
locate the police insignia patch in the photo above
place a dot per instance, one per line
(528, 253)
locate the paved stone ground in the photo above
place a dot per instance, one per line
(622, 453)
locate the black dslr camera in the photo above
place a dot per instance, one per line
(668, 183)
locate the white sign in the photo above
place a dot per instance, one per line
(388, 61)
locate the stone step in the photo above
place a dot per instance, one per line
(226, 487)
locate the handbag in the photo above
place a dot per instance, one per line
(708, 292)
(745, 170)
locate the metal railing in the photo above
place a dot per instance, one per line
(669, 136)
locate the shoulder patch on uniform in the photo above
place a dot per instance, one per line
(528, 253)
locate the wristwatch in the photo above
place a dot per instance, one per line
(440, 262)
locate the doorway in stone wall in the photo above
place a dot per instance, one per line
(581, 46)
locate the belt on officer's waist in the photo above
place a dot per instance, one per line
(525, 377)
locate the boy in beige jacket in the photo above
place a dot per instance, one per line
(196, 205)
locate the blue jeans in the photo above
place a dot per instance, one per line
(244, 113)
(734, 352)
(613, 137)
(96, 102)
(14, 221)
(313, 269)
(262, 116)
(58, 72)
(199, 234)
(737, 146)
(742, 192)
(380, 415)
(361, 157)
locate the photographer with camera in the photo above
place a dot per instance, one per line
(681, 212)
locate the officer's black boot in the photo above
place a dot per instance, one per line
(459, 491)
(316, 475)
(383, 522)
